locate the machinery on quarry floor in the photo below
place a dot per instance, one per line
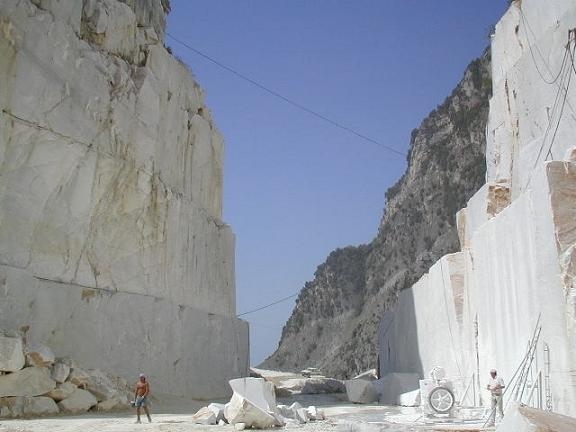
(437, 394)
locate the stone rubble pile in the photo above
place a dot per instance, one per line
(253, 405)
(34, 382)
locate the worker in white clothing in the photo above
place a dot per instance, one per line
(496, 387)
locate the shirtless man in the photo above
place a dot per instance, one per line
(141, 397)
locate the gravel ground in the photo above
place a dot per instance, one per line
(171, 414)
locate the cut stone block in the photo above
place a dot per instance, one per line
(100, 385)
(293, 412)
(204, 416)
(79, 377)
(11, 354)
(275, 377)
(26, 382)
(77, 402)
(361, 391)
(520, 418)
(253, 403)
(302, 415)
(284, 410)
(257, 391)
(62, 391)
(241, 410)
(114, 404)
(321, 385)
(40, 406)
(315, 414)
(12, 406)
(39, 355)
(290, 386)
(218, 410)
(410, 399)
(60, 372)
(22, 406)
(392, 385)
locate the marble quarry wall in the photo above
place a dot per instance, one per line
(112, 247)
(477, 309)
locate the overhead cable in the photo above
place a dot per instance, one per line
(268, 305)
(286, 99)
(528, 28)
(561, 98)
(562, 88)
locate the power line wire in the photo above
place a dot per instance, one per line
(562, 107)
(529, 28)
(268, 305)
(284, 98)
(553, 111)
(566, 75)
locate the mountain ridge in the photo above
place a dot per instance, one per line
(335, 322)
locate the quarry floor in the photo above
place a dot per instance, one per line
(170, 414)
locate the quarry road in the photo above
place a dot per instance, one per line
(173, 414)
(181, 423)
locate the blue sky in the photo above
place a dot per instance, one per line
(295, 187)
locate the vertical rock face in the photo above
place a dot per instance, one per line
(515, 272)
(335, 322)
(112, 247)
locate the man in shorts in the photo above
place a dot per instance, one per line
(141, 397)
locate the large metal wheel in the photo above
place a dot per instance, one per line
(441, 400)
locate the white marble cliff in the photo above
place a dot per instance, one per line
(112, 246)
(477, 309)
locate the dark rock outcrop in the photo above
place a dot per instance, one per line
(335, 322)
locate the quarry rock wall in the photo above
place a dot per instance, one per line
(478, 309)
(112, 247)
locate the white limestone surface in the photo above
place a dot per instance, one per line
(112, 247)
(361, 391)
(39, 354)
(60, 372)
(526, 419)
(180, 348)
(393, 385)
(532, 111)
(509, 276)
(62, 391)
(517, 265)
(258, 391)
(241, 411)
(78, 402)
(29, 381)
(11, 354)
(424, 330)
